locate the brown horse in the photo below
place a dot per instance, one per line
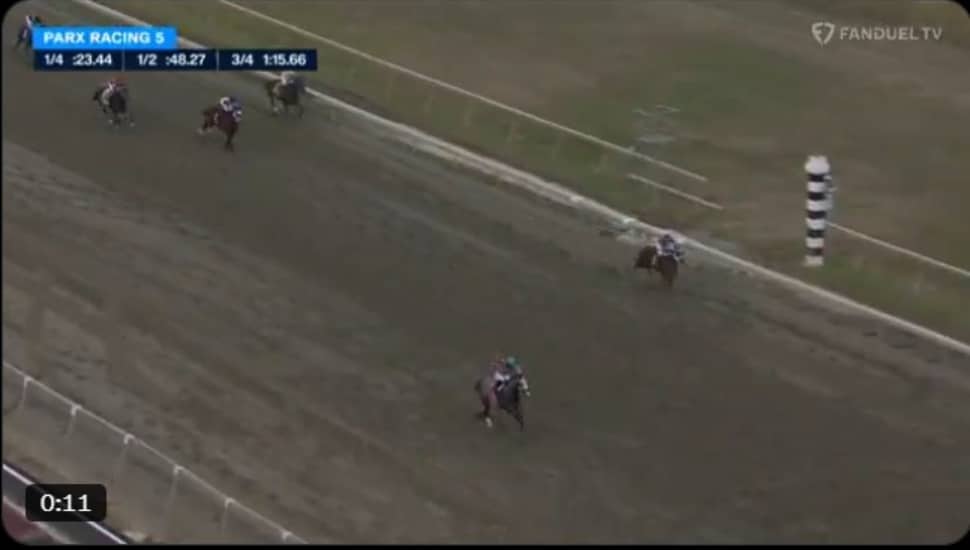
(508, 398)
(228, 123)
(665, 265)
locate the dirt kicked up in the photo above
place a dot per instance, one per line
(304, 320)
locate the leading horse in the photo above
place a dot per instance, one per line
(508, 398)
(287, 94)
(25, 36)
(666, 265)
(227, 122)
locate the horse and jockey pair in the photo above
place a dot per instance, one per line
(226, 116)
(286, 90)
(25, 36)
(503, 388)
(112, 97)
(663, 256)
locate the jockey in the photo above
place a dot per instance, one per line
(113, 84)
(32, 20)
(229, 104)
(667, 245)
(503, 370)
(287, 77)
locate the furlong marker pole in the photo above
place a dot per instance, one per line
(817, 207)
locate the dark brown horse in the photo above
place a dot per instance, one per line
(227, 122)
(508, 398)
(665, 265)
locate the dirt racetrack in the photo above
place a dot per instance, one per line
(303, 321)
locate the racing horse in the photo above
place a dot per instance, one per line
(666, 265)
(227, 122)
(288, 95)
(114, 105)
(508, 398)
(25, 36)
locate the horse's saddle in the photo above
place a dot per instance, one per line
(505, 391)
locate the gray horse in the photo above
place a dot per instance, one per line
(287, 93)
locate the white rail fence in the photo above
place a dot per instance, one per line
(156, 495)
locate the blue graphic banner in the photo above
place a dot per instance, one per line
(105, 38)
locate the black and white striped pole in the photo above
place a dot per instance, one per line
(817, 208)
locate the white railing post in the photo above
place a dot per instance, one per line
(23, 393)
(125, 443)
(71, 421)
(225, 516)
(816, 209)
(170, 502)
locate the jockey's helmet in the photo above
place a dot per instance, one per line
(512, 364)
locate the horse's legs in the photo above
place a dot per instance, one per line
(206, 124)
